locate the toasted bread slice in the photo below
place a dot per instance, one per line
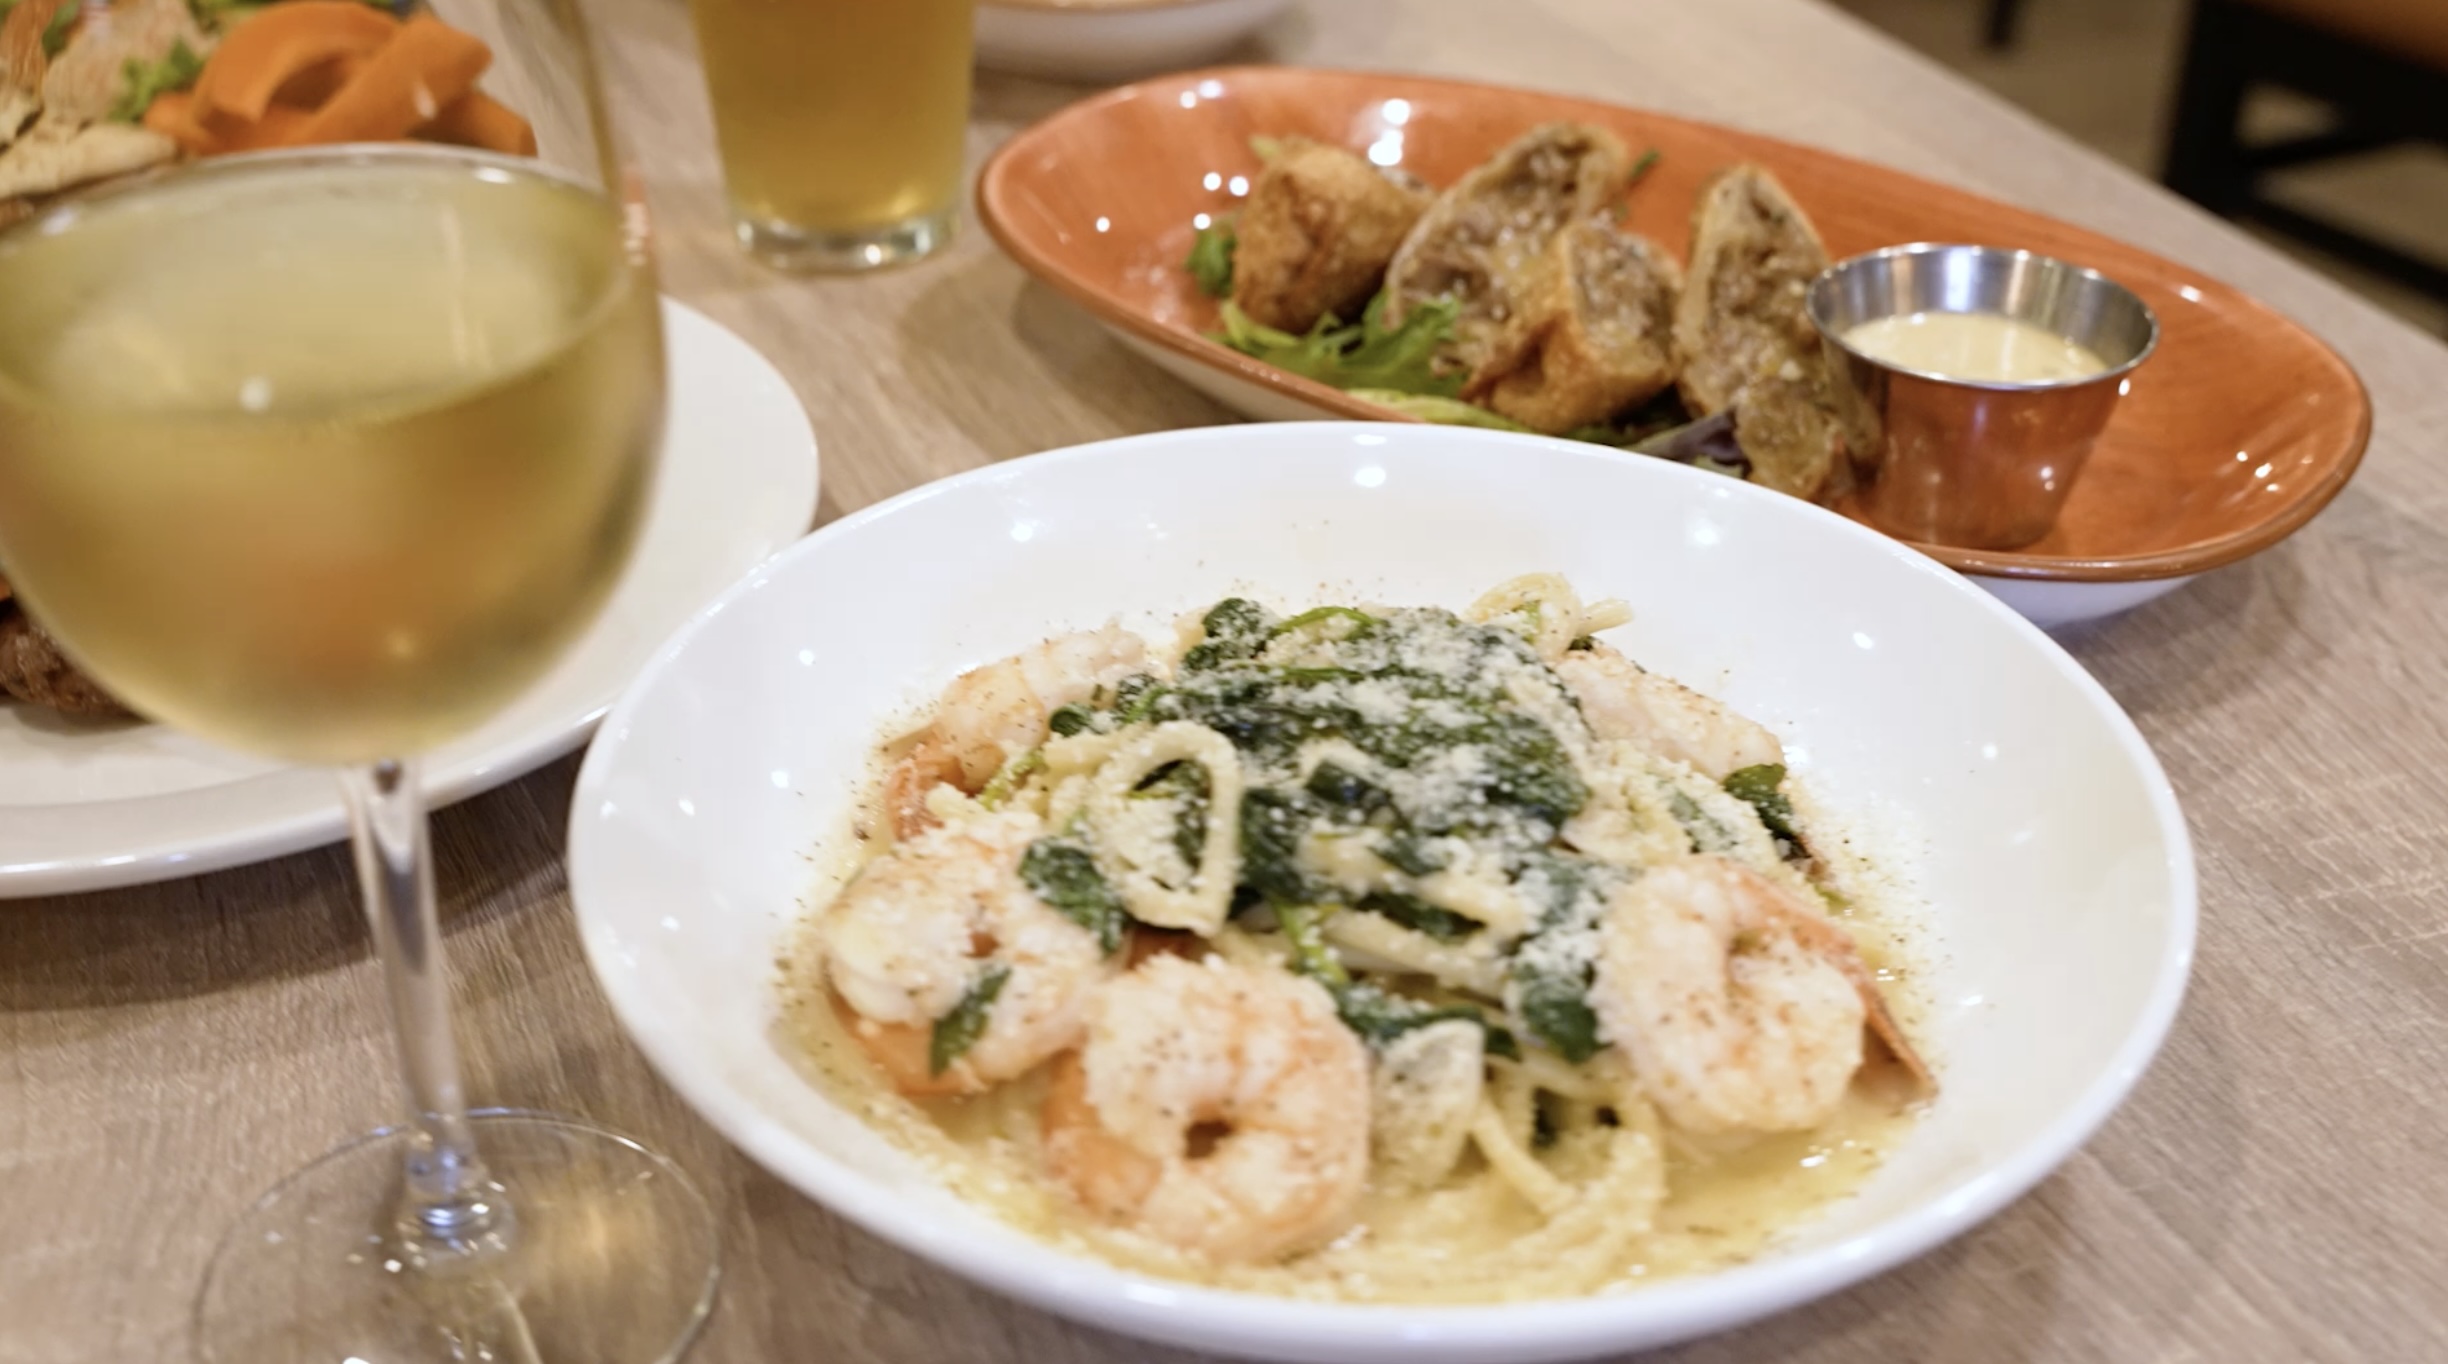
(47, 159)
(1481, 242)
(1320, 227)
(1593, 334)
(1746, 341)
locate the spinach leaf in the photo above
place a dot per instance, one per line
(1133, 696)
(1355, 796)
(956, 1032)
(1378, 1017)
(1407, 852)
(1361, 620)
(1761, 786)
(1706, 834)
(1419, 916)
(1236, 629)
(1063, 874)
(1550, 993)
(1272, 822)
(1555, 1008)
(1186, 783)
(1070, 720)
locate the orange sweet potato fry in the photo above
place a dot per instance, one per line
(475, 119)
(173, 115)
(262, 54)
(425, 67)
(313, 87)
(280, 126)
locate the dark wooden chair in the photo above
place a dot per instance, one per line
(2381, 65)
(2005, 19)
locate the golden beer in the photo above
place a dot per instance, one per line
(841, 123)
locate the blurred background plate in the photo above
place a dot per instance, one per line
(1111, 40)
(2236, 433)
(86, 806)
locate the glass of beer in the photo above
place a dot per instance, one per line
(323, 440)
(841, 123)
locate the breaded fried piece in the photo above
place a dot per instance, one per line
(33, 670)
(1746, 342)
(1481, 240)
(1316, 235)
(1594, 333)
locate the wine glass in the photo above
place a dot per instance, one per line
(323, 441)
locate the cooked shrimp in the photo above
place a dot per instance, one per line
(1741, 1006)
(1622, 700)
(996, 712)
(1217, 1107)
(926, 924)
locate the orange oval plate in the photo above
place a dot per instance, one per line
(2237, 432)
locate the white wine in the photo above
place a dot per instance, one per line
(325, 456)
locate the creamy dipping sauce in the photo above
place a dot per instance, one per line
(1985, 347)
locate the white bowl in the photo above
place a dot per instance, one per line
(1114, 41)
(2037, 823)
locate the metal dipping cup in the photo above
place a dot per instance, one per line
(1975, 463)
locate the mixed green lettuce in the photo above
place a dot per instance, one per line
(1366, 354)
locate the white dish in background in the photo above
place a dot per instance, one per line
(86, 807)
(1113, 41)
(2047, 842)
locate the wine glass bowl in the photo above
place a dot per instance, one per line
(323, 441)
(370, 525)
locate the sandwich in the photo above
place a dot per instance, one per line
(1591, 332)
(1484, 243)
(1317, 233)
(1746, 341)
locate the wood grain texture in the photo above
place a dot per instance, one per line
(2272, 1192)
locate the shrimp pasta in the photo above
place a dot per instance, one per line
(1381, 954)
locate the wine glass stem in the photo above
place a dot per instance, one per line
(450, 1208)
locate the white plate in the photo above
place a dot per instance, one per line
(1113, 42)
(85, 807)
(2049, 604)
(2048, 843)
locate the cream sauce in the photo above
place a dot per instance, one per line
(1984, 347)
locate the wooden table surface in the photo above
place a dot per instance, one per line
(2276, 1189)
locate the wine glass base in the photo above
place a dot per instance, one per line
(805, 250)
(611, 1257)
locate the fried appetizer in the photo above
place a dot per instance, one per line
(1483, 241)
(33, 670)
(1593, 334)
(1746, 341)
(1317, 233)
